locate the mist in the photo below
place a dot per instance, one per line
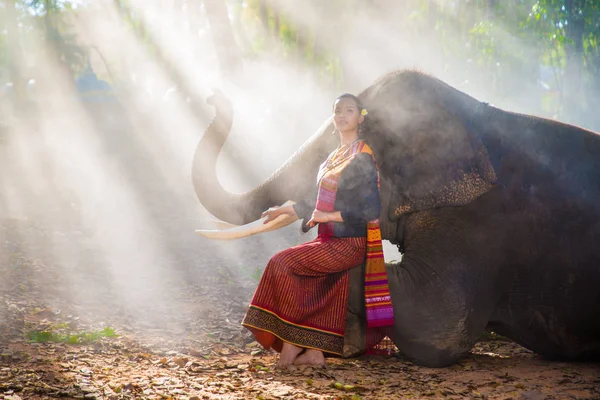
(96, 196)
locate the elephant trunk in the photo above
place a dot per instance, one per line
(294, 180)
(208, 189)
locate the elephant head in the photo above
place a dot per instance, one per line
(426, 153)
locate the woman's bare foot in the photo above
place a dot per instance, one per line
(289, 352)
(311, 357)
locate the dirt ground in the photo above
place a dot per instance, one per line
(124, 368)
(195, 348)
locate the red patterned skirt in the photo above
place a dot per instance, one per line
(302, 296)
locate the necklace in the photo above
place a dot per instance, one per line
(342, 152)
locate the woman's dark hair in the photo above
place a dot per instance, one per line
(350, 96)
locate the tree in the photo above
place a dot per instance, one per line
(61, 44)
(569, 33)
(574, 25)
(226, 48)
(16, 63)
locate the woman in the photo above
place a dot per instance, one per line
(299, 307)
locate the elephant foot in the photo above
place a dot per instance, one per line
(354, 337)
(352, 351)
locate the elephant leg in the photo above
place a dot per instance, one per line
(434, 327)
(444, 290)
(356, 324)
(354, 336)
(419, 334)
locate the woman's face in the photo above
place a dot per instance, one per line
(346, 115)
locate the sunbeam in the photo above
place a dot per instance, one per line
(128, 125)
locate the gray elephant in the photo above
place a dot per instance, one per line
(497, 215)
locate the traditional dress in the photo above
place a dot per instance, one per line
(303, 294)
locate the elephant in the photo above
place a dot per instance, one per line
(496, 214)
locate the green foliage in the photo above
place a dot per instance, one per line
(295, 42)
(504, 45)
(493, 44)
(41, 22)
(52, 335)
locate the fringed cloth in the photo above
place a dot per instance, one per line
(303, 294)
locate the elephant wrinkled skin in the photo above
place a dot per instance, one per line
(498, 215)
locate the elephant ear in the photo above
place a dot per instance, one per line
(463, 185)
(436, 162)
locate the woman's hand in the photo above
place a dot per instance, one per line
(320, 217)
(276, 211)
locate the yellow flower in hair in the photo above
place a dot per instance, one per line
(364, 112)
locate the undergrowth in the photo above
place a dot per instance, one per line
(70, 338)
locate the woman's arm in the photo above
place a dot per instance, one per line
(320, 217)
(274, 212)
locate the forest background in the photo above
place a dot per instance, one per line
(539, 57)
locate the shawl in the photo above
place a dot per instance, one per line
(380, 314)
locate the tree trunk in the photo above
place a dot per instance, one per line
(276, 23)
(227, 50)
(435, 49)
(432, 14)
(574, 51)
(16, 57)
(240, 30)
(264, 17)
(593, 88)
(490, 6)
(271, 35)
(301, 44)
(54, 44)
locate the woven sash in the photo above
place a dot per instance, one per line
(380, 313)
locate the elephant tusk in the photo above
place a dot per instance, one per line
(218, 224)
(230, 231)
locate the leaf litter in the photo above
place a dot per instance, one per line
(213, 357)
